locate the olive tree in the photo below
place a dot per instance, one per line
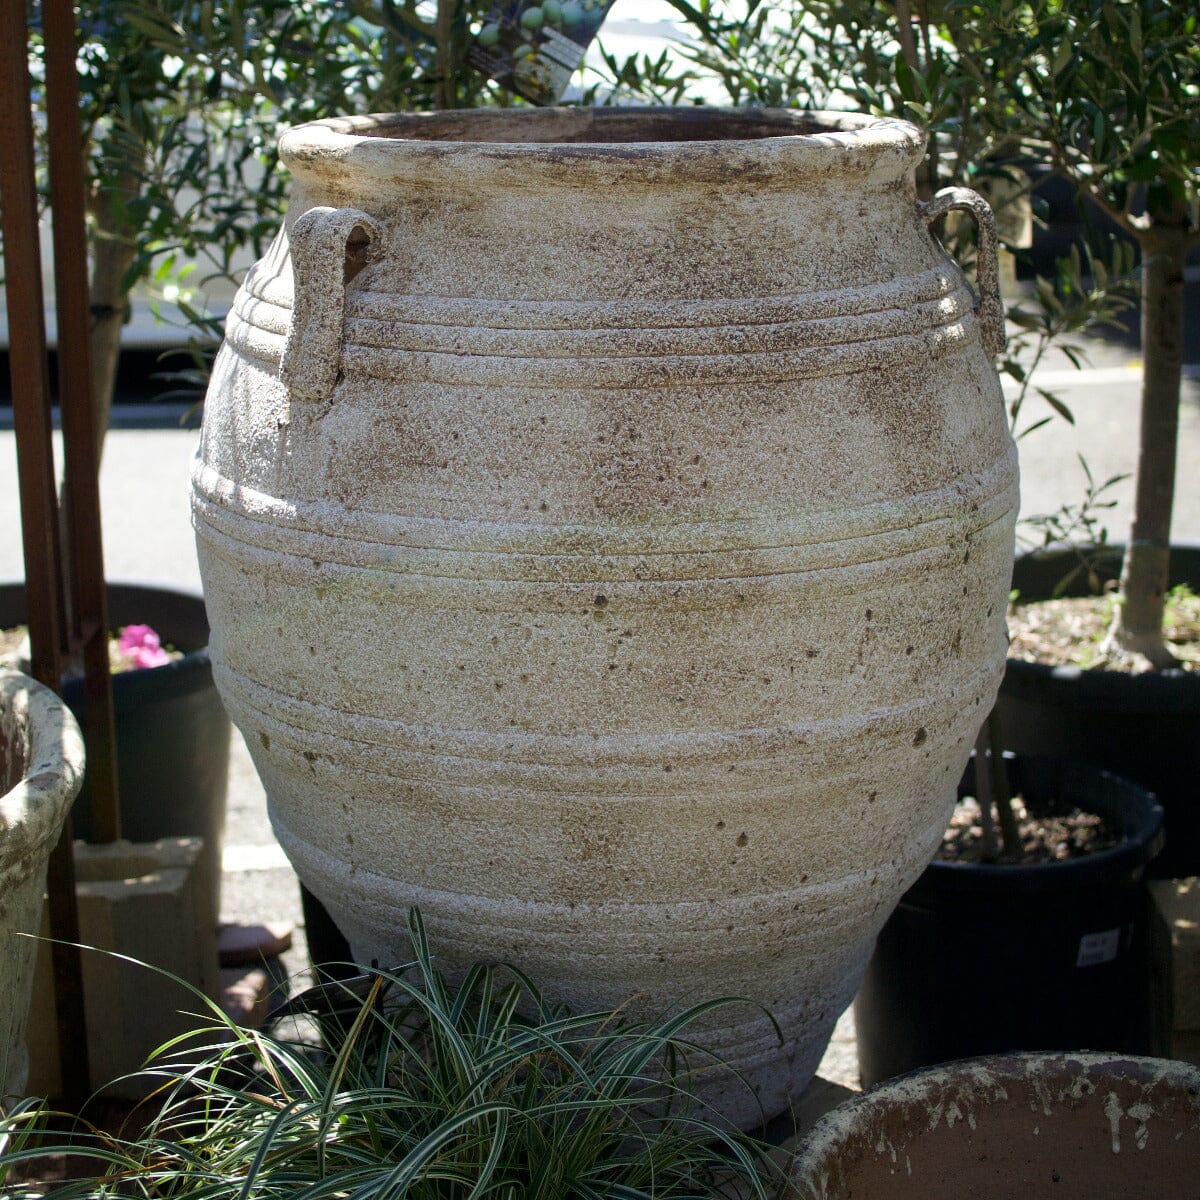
(182, 103)
(916, 61)
(1110, 92)
(1106, 92)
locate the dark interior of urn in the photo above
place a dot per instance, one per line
(1020, 1150)
(596, 126)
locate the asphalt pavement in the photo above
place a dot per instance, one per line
(148, 538)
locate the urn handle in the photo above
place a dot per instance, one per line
(989, 308)
(329, 247)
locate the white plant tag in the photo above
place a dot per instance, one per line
(1097, 948)
(533, 47)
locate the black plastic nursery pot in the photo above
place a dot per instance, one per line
(987, 959)
(172, 731)
(1144, 727)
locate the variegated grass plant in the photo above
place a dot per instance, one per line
(421, 1090)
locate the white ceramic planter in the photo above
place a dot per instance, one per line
(605, 519)
(41, 769)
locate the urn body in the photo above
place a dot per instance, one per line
(606, 523)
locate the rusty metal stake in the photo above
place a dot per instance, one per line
(60, 627)
(27, 356)
(87, 607)
(39, 509)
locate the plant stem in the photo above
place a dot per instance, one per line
(447, 75)
(904, 33)
(114, 248)
(926, 172)
(983, 785)
(1002, 794)
(994, 794)
(1137, 627)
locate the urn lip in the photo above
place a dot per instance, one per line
(41, 772)
(695, 140)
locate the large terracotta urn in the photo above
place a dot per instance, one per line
(41, 770)
(606, 520)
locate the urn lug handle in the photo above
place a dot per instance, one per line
(989, 308)
(329, 247)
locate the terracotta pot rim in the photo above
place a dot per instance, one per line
(1018, 1064)
(777, 140)
(826, 1137)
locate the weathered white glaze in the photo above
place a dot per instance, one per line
(614, 562)
(41, 769)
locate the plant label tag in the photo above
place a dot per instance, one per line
(533, 47)
(1097, 948)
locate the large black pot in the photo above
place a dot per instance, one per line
(1144, 727)
(172, 732)
(986, 959)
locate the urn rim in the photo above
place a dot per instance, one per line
(687, 138)
(42, 771)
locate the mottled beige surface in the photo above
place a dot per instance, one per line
(1067, 1126)
(628, 587)
(41, 768)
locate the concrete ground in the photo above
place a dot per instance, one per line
(147, 537)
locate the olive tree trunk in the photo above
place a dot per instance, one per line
(1137, 627)
(447, 83)
(113, 251)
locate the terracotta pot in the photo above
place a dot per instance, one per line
(1069, 1126)
(41, 769)
(605, 519)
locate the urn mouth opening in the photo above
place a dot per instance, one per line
(603, 126)
(697, 139)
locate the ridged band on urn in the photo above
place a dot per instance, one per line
(617, 566)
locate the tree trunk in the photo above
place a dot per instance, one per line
(447, 77)
(114, 248)
(1137, 628)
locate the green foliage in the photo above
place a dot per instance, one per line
(1079, 526)
(183, 102)
(1106, 92)
(1059, 312)
(1110, 90)
(1182, 621)
(426, 1091)
(1110, 93)
(937, 64)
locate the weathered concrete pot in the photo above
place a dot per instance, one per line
(41, 769)
(1069, 1126)
(605, 519)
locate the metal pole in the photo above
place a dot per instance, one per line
(87, 603)
(36, 480)
(27, 355)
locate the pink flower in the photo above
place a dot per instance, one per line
(140, 644)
